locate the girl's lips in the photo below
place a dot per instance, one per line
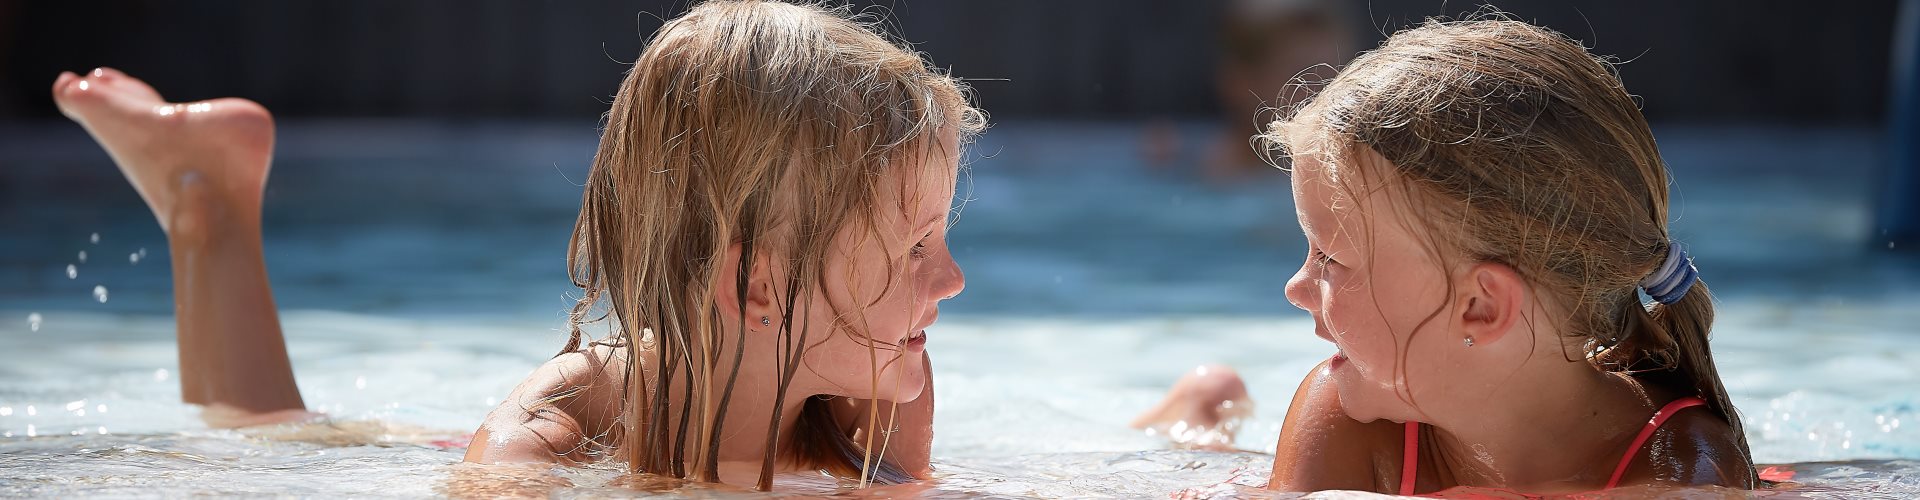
(916, 341)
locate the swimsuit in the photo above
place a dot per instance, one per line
(1409, 470)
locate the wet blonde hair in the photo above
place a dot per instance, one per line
(1515, 145)
(768, 125)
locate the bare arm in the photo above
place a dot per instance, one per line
(562, 413)
(1321, 448)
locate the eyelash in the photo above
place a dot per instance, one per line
(919, 249)
(1322, 259)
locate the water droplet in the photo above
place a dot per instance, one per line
(100, 409)
(6, 411)
(81, 413)
(83, 256)
(83, 86)
(160, 375)
(102, 430)
(100, 293)
(133, 258)
(143, 252)
(72, 272)
(30, 431)
(75, 405)
(33, 322)
(31, 411)
(95, 239)
(360, 382)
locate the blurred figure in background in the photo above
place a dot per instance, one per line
(1264, 46)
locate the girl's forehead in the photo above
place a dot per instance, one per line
(1335, 203)
(1314, 191)
(926, 181)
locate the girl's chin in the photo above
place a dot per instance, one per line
(1355, 396)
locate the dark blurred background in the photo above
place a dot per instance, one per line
(1716, 60)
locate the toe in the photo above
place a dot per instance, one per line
(122, 81)
(110, 74)
(61, 82)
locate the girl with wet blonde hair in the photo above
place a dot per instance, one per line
(1486, 212)
(762, 235)
(1488, 251)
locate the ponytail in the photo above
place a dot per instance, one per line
(1666, 345)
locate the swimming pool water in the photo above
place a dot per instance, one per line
(419, 266)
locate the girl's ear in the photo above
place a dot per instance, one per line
(1489, 301)
(759, 294)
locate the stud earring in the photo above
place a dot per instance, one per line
(1469, 341)
(764, 321)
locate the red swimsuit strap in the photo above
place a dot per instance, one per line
(1410, 466)
(1653, 424)
(1410, 463)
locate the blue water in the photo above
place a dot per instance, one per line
(422, 270)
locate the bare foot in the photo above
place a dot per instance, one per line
(210, 154)
(201, 167)
(1203, 410)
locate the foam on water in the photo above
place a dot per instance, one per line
(1031, 407)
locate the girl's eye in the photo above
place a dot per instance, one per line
(919, 250)
(1321, 259)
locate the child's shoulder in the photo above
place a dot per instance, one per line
(1321, 448)
(1695, 447)
(563, 412)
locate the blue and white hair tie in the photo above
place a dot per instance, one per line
(1675, 276)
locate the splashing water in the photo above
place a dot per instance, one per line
(100, 293)
(83, 256)
(33, 323)
(95, 239)
(133, 258)
(73, 272)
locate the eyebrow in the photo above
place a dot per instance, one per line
(1308, 227)
(930, 221)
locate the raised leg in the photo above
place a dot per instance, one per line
(201, 167)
